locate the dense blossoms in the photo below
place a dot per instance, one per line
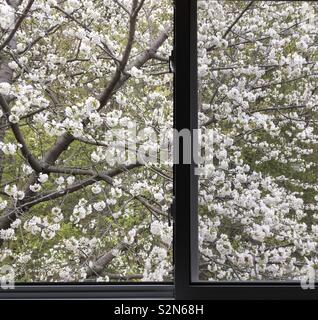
(258, 80)
(6, 16)
(78, 74)
(74, 74)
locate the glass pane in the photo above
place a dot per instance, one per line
(84, 85)
(258, 192)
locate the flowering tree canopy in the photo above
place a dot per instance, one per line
(71, 74)
(77, 78)
(258, 91)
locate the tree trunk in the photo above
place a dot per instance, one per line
(6, 75)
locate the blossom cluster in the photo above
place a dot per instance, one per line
(63, 78)
(257, 202)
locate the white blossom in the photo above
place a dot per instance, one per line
(99, 206)
(5, 88)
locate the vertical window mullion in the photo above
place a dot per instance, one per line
(185, 240)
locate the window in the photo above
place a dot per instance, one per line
(86, 93)
(92, 204)
(257, 65)
(233, 249)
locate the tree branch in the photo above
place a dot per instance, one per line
(65, 140)
(17, 25)
(121, 67)
(234, 23)
(34, 163)
(12, 214)
(104, 260)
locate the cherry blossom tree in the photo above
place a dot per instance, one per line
(258, 91)
(75, 74)
(71, 74)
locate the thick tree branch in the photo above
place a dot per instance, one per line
(124, 60)
(65, 140)
(11, 215)
(105, 177)
(100, 264)
(34, 163)
(147, 55)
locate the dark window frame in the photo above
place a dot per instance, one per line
(184, 210)
(186, 232)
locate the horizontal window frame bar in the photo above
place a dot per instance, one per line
(247, 291)
(89, 291)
